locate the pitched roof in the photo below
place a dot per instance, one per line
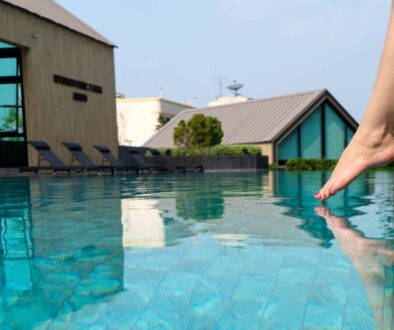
(248, 122)
(52, 11)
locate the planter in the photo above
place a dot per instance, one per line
(209, 163)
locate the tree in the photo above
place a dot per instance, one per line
(161, 122)
(10, 121)
(199, 131)
(181, 134)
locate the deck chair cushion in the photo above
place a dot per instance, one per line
(40, 145)
(73, 146)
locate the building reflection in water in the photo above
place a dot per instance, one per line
(143, 224)
(165, 211)
(56, 263)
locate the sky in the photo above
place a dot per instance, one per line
(273, 47)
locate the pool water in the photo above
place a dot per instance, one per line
(196, 251)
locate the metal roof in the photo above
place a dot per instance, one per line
(248, 122)
(52, 11)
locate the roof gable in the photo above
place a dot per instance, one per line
(249, 122)
(52, 11)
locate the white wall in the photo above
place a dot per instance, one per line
(138, 118)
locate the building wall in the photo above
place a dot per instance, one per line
(51, 113)
(323, 134)
(267, 149)
(138, 118)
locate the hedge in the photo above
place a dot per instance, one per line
(323, 164)
(218, 150)
(310, 164)
(388, 167)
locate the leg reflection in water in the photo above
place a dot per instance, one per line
(370, 257)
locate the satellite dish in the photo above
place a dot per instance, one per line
(235, 87)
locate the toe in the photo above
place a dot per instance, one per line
(325, 192)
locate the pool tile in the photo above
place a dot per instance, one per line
(198, 258)
(264, 262)
(170, 299)
(229, 263)
(143, 283)
(319, 316)
(163, 259)
(358, 317)
(209, 298)
(327, 294)
(133, 259)
(283, 314)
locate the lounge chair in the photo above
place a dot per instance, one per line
(161, 162)
(46, 154)
(135, 156)
(111, 160)
(185, 165)
(87, 164)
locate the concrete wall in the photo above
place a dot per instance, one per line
(51, 113)
(267, 149)
(138, 118)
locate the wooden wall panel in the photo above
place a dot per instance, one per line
(51, 113)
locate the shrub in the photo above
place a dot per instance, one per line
(181, 134)
(199, 131)
(387, 167)
(219, 150)
(299, 164)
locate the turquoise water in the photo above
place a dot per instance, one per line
(196, 251)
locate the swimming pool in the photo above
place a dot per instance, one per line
(196, 251)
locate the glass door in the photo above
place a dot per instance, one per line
(13, 150)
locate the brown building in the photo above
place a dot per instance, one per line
(57, 82)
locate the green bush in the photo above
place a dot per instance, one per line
(219, 150)
(300, 164)
(387, 167)
(323, 164)
(199, 131)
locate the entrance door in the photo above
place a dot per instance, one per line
(13, 149)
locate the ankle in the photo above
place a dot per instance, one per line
(371, 137)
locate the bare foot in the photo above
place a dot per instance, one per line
(365, 151)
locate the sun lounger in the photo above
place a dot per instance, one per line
(135, 156)
(78, 155)
(111, 160)
(45, 154)
(160, 161)
(184, 164)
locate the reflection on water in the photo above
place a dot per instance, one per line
(196, 251)
(56, 266)
(142, 222)
(372, 258)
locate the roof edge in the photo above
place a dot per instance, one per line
(258, 100)
(325, 95)
(306, 108)
(105, 41)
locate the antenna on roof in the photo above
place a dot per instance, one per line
(235, 87)
(219, 81)
(161, 91)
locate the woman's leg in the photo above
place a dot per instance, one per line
(373, 143)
